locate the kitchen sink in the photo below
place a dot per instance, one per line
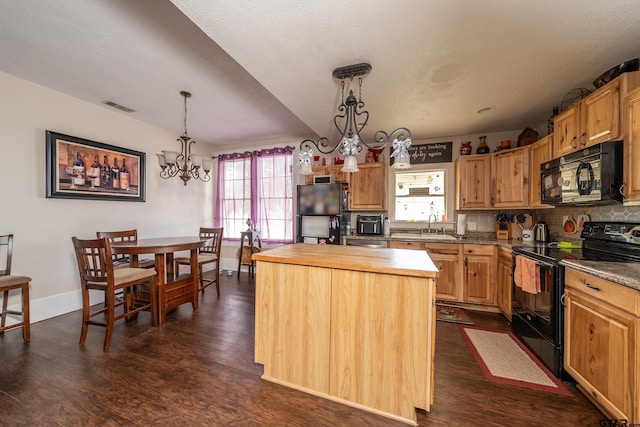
(419, 236)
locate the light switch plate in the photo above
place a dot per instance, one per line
(471, 226)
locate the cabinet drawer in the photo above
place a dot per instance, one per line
(442, 248)
(620, 296)
(479, 249)
(405, 245)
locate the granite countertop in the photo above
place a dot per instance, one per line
(623, 273)
(471, 239)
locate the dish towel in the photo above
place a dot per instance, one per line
(526, 275)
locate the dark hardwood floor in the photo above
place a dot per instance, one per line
(198, 370)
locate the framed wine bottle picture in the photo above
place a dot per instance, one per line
(79, 168)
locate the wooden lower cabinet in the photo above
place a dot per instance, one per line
(467, 272)
(602, 343)
(505, 280)
(447, 258)
(479, 266)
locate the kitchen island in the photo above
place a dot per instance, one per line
(353, 325)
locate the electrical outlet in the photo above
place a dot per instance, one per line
(471, 226)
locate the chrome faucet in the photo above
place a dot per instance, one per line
(435, 218)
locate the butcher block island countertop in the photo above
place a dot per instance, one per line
(353, 325)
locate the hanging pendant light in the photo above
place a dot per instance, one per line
(184, 164)
(350, 121)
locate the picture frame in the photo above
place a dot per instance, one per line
(72, 172)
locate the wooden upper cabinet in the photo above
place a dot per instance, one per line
(335, 171)
(510, 178)
(597, 118)
(474, 182)
(601, 115)
(631, 186)
(566, 131)
(368, 187)
(540, 152)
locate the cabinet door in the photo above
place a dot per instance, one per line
(447, 258)
(631, 188)
(597, 352)
(479, 264)
(336, 173)
(510, 177)
(541, 152)
(474, 187)
(601, 115)
(566, 127)
(368, 187)
(505, 280)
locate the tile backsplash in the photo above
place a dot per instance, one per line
(485, 220)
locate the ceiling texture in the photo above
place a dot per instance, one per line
(260, 71)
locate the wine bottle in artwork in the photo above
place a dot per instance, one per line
(78, 170)
(105, 174)
(124, 176)
(94, 172)
(115, 175)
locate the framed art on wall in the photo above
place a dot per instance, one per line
(79, 168)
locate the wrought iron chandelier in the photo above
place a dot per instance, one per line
(184, 164)
(350, 121)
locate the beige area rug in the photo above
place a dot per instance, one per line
(504, 359)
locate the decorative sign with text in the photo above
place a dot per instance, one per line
(438, 152)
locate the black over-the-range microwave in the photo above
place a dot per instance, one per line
(589, 176)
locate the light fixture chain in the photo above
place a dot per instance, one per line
(185, 115)
(359, 89)
(342, 90)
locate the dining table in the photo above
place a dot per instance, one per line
(174, 289)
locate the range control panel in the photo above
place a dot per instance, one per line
(626, 232)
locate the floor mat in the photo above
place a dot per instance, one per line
(506, 360)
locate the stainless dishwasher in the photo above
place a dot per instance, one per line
(368, 243)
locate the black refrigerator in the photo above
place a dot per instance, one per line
(319, 213)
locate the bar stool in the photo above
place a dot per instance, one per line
(9, 282)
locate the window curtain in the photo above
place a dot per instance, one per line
(256, 185)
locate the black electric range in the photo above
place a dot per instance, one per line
(538, 318)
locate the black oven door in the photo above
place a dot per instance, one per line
(537, 318)
(537, 309)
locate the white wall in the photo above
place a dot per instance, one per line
(43, 227)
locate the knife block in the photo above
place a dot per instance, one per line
(502, 234)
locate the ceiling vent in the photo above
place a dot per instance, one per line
(119, 107)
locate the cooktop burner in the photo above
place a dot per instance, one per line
(549, 253)
(602, 241)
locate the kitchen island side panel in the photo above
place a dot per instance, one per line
(293, 324)
(382, 338)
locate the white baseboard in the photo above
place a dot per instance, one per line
(57, 305)
(52, 306)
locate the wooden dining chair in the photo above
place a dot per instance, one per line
(122, 260)
(209, 253)
(97, 272)
(10, 282)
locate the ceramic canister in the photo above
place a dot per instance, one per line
(527, 235)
